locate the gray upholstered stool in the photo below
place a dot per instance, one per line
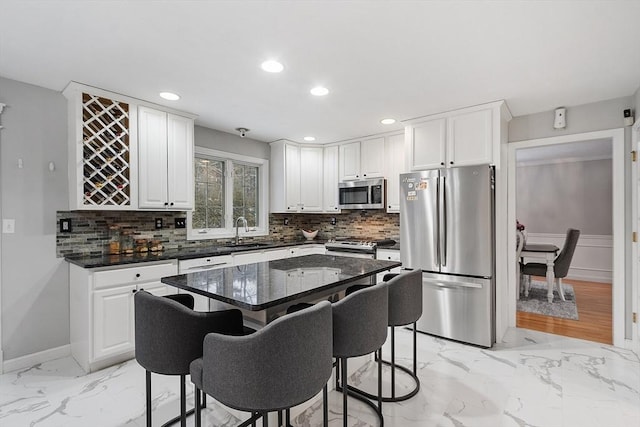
(360, 327)
(169, 337)
(254, 373)
(405, 308)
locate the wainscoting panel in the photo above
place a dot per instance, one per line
(593, 259)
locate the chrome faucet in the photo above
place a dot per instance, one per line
(246, 227)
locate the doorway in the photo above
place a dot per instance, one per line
(568, 144)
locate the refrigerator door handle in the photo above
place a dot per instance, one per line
(443, 213)
(436, 235)
(452, 284)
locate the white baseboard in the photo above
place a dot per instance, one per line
(33, 359)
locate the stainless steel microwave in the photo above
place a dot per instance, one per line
(367, 194)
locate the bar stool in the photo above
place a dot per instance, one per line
(254, 373)
(360, 327)
(405, 308)
(169, 337)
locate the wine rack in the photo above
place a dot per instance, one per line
(106, 152)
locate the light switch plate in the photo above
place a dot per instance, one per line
(8, 226)
(181, 222)
(158, 223)
(65, 225)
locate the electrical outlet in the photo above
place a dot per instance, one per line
(286, 221)
(181, 222)
(65, 225)
(333, 221)
(8, 226)
(158, 223)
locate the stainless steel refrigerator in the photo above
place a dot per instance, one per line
(447, 230)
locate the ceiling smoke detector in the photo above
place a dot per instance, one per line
(242, 132)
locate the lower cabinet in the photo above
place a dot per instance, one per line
(387, 255)
(102, 310)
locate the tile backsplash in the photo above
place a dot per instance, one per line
(90, 230)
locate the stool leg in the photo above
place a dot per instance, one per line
(198, 416)
(345, 387)
(393, 362)
(337, 372)
(325, 407)
(380, 379)
(183, 401)
(204, 400)
(265, 419)
(415, 350)
(148, 396)
(279, 418)
(287, 417)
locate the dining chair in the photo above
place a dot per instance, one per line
(520, 241)
(560, 265)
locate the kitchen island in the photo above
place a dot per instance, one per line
(264, 290)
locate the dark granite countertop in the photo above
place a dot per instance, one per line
(181, 254)
(268, 284)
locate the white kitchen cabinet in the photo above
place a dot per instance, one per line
(102, 309)
(362, 159)
(331, 179)
(296, 251)
(394, 166)
(165, 160)
(296, 177)
(388, 255)
(200, 302)
(102, 149)
(458, 138)
(243, 258)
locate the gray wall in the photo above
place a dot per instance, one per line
(217, 140)
(581, 118)
(35, 284)
(555, 197)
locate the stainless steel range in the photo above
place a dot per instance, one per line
(357, 248)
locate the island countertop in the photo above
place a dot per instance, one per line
(268, 284)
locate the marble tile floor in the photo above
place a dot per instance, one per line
(532, 379)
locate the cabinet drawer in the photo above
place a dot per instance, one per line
(139, 273)
(388, 254)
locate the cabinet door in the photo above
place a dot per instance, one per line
(372, 158)
(388, 255)
(427, 144)
(292, 177)
(180, 180)
(470, 139)
(311, 179)
(152, 158)
(349, 161)
(394, 166)
(113, 325)
(330, 180)
(248, 258)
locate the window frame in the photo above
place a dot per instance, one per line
(229, 231)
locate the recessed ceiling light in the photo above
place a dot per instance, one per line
(272, 66)
(319, 91)
(169, 96)
(388, 121)
(309, 138)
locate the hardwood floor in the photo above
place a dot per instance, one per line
(595, 323)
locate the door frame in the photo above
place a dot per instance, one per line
(635, 225)
(618, 216)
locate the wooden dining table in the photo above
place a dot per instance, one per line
(547, 253)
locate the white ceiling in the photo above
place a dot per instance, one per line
(401, 59)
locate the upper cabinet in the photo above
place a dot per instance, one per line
(296, 177)
(362, 159)
(458, 138)
(102, 150)
(393, 167)
(126, 154)
(165, 148)
(331, 179)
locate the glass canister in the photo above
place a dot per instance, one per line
(142, 245)
(114, 240)
(127, 244)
